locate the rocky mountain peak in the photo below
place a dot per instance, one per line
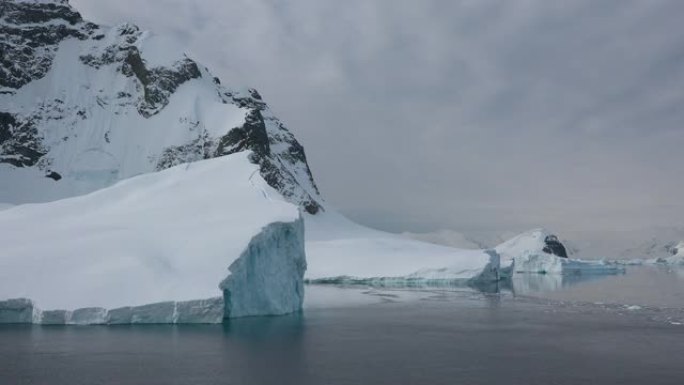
(83, 106)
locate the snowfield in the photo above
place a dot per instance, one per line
(341, 251)
(144, 249)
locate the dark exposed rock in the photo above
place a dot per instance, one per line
(27, 38)
(251, 136)
(554, 246)
(157, 83)
(254, 136)
(20, 144)
(53, 175)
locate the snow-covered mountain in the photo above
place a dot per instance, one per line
(83, 106)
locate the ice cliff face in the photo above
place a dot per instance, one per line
(83, 106)
(251, 290)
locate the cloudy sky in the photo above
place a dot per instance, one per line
(471, 115)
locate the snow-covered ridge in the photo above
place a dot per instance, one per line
(150, 247)
(83, 106)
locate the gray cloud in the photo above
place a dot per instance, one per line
(472, 115)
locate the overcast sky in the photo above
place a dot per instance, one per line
(469, 115)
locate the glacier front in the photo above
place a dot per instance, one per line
(159, 247)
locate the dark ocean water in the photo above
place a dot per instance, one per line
(369, 336)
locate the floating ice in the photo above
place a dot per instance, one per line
(149, 249)
(342, 252)
(542, 263)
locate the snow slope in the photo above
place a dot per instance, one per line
(446, 238)
(341, 251)
(162, 238)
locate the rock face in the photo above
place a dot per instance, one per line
(553, 246)
(83, 106)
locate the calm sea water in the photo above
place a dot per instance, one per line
(382, 336)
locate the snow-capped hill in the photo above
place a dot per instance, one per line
(83, 106)
(539, 251)
(530, 242)
(678, 250)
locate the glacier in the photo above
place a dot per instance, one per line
(158, 247)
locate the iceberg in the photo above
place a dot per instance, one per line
(340, 251)
(156, 248)
(18, 310)
(527, 254)
(549, 264)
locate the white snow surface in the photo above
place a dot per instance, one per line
(158, 237)
(340, 250)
